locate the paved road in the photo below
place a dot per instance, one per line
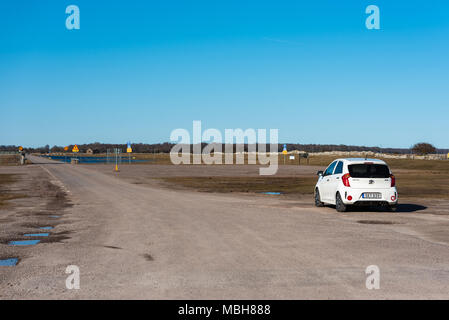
(138, 242)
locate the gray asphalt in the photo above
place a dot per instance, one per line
(140, 242)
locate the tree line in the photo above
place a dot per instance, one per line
(97, 147)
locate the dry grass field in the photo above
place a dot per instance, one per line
(417, 185)
(415, 178)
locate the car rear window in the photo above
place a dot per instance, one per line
(364, 170)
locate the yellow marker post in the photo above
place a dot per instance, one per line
(129, 150)
(284, 151)
(116, 151)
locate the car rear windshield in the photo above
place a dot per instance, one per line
(364, 170)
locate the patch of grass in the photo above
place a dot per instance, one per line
(404, 164)
(302, 185)
(375, 222)
(5, 180)
(153, 158)
(9, 159)
(6, 197)
(441, 166)
(425, 184)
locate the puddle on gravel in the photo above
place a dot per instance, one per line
(55, 217)
(45, 228)
(24, 242)
(57, 237)
(272, 193)
(148, 257)
(36, 234)
(376, 222)
(9, 262)
(112, 247)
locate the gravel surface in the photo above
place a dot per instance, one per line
(146, 242)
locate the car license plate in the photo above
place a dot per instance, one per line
(372, 195)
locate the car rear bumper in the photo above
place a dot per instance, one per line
(355, 196)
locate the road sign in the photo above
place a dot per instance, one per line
(66, 148)
(285, 149)
(129, 149)
(20, 148)
(75, 149)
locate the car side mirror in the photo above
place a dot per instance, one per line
(319, 173)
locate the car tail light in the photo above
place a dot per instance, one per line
(393, 180)
(345, 179)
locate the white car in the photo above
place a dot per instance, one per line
(354, 181)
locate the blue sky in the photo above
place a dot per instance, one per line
(136, 70)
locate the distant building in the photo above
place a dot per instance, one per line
(90, 151)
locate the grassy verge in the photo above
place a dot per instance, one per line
(303, 185)
(425, 184)
(422, 185)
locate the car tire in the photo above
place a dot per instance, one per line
(318, 202)
(339, 205)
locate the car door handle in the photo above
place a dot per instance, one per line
(337, 178)
(327, 179)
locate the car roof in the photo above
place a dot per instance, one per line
(362, 160)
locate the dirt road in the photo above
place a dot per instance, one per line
(143, 242)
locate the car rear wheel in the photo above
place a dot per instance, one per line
(318, 202)
(339, 205)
